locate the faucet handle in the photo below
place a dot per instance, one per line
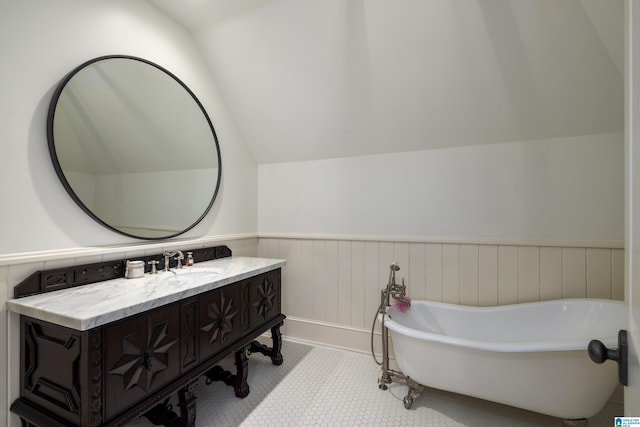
(154, 269)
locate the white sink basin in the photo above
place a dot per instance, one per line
(187, 273)
(196, 271)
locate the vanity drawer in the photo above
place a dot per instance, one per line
(142, 355)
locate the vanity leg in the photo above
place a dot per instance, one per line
(237, 381)
(241, 388)
(276, 339)
(162, 414)
(275, 352)
(187, 403)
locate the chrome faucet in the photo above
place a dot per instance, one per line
(393, 290)
(167, 255)
(398, 293)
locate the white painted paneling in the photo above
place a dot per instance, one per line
(357, 284)
(318, 279)
(507, 275)
(285, 250)
(386, 257)
(296, 279)
(451, 273)
(249, 247)
(550, 273)
(574, 274)
(344, 282)
(331, 281)
(417, 285)
(305, 286)
(468, 274)
(487, 275)
(264, 249)
(401, 254)
(617, 274)
(434, 272)
(372, 280)
(598, 273)
(469, 258)
(528, 274)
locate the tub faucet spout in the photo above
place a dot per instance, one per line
(394, 290)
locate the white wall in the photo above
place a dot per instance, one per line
(41, 41)
(568, 189)
(318, 79)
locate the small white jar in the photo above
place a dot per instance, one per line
(134, 269)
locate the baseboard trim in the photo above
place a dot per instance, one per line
(308, 331)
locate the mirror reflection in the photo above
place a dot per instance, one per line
(134, 147)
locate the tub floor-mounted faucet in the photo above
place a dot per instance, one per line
(398, 293)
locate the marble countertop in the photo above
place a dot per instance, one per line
(89, 306)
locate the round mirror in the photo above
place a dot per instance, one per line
(134, 147)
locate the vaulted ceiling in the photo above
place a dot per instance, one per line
(316, 79)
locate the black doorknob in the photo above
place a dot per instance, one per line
(599, 353)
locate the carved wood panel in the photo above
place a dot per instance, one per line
(95, 382)
(98, 272)
(245, 307)
(50, 367)
(63, 278)
(265, 298)
(219, 319)
(142, 354)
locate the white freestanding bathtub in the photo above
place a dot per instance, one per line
(531, 356)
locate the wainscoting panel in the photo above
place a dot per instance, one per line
(487, 275)
(468, 277)
(617, 274)
(507, 275)
(338, 282)
(574, 272)
(598, 273)
(433, 273)
(550, 273)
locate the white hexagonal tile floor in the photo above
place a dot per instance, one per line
(321, 386)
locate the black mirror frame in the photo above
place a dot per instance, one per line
(60, 172)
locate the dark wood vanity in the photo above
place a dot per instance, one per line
(110, 374)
